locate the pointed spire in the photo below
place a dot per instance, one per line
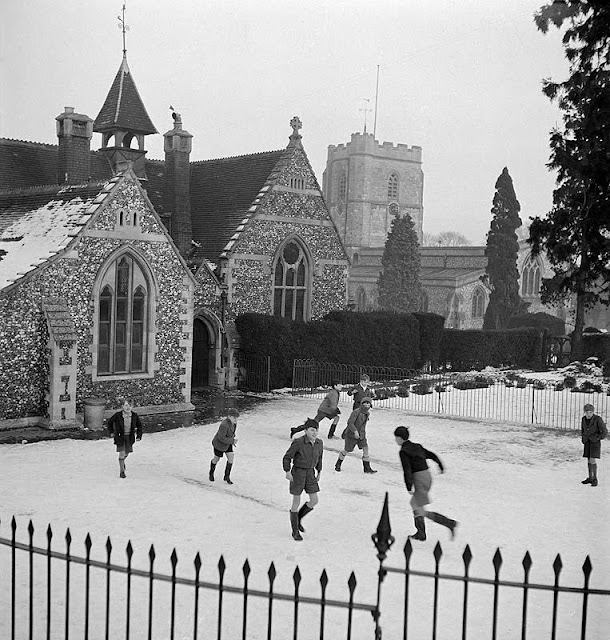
(123, 108)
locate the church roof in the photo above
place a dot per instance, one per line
(32, 164)
(38, 223)
(123, 108)
(222, 192)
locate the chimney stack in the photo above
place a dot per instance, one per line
(176, 193)
(74, 131)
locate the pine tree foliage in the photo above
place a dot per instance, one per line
(575, 234)
(398, 284)
(502, 250)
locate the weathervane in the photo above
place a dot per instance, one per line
(124, 27)
(365, 111)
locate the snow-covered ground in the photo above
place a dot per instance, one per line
(511, 487)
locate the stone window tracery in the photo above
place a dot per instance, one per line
(530, 278)
(342, 186)
(478, 303)
(123, 311)
(291, 280)
(393, 187)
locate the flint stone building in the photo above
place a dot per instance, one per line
(122, 276)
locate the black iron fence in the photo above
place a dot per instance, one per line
(108, 600)
(53, 594)
(493, 396)
(48, 594)
(254, 373)
(432, 608)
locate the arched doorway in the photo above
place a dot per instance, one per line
(200, 376)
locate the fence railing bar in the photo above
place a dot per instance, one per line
(151, 579)
(87, 583)
(68, 542)
(503, 583)
(197, 563)
(191, 583)
(438, 552)
(31, 581)
(129, 552)
(221, 574)
(174, 561)
(48, 554)
(108, 552)
(14, 547)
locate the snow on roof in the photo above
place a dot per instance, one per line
(36, 224)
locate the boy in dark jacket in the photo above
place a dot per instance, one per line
(125, 426)
(418, 480)
(593, 430)
(305, 456)
(223, 443)
(360, 391)
(328, 409)
(355, 436)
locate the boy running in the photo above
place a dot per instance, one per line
(223, 443)
(418, 480)
(305, 455)
(355, 436)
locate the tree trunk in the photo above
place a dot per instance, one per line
(579, 324)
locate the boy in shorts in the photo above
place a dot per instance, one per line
(302, 464)
(418, 480)
(125, 426)
(593, 430)
(223, 443)
(328, 409)
(355, 436)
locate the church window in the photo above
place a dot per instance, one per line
(478, 303)
(423, 302)
(123, 319)
(393, 209)
(342, 186)
(361, 299)
(530, 278)
(291, 282)
(126, 218)
(393, 187)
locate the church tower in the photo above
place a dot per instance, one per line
(367, 184)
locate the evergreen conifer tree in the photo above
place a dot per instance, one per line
(501, 252)
(575, 234)
(398, 284)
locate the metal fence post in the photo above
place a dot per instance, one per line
(383, 541)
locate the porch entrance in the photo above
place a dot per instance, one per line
(202, 348)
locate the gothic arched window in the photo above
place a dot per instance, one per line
(478, 303)
(530, 278)
(393, 187)
(423, 301)
(342, 185)
(123, 319)
(291, 281)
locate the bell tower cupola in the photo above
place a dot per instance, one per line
(123, 121)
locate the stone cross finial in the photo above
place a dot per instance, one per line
(296, 124)
(295, 137)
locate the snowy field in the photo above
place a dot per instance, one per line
(511, 487)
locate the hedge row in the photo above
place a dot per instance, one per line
(462, 350)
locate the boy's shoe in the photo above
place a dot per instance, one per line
(587, 481)
(122, 474)
(228, 480)
(594, 482)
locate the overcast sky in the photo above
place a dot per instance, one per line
(460, 78)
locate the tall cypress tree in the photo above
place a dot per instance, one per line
(398, 283)
(501, 252)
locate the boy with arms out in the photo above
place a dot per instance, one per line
(329, 408)
(302, 464)
(418, 480)
(355, 436)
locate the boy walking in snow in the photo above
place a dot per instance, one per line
(360, 391)
(223, 443)
(303, 466)
(355, 435)
(328, 409)
(125, 426)
(418, 480)
(593, 430)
